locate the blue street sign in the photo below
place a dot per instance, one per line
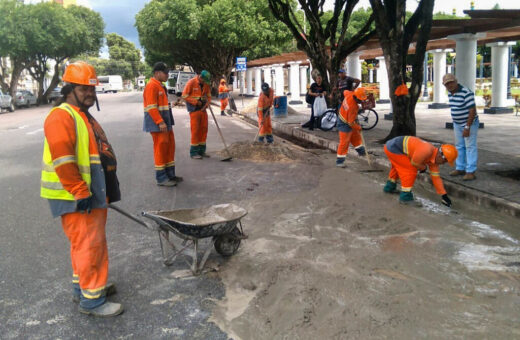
(241, 64)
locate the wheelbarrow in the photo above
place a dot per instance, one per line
(220, 222)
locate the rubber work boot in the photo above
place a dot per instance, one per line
(457, 173)
(106, 310)
(469, 176)
(340, 163)
(177, 179)
(168, 183)
(406, 198)
(205, 155)
(361, 150)
(222, 113)
(110, 289)
(390, 187)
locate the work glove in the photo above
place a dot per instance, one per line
(422, 171)
(446, 200)
(84, 204)
(199, 105)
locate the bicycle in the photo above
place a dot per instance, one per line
(367, 116)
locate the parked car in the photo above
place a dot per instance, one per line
(112, 83)
(177, 80)
(6, 102)
(55, 94)
(25, 98)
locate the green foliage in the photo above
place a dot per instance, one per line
(123, 51)
(209, 34)
(33, 35)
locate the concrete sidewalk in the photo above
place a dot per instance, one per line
(498, 175)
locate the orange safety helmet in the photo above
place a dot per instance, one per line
(80, 73)
(222, 81)
(360, 93)
(449, 152)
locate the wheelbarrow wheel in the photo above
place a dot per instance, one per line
(227, 244)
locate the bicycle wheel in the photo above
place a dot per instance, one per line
(368, 118)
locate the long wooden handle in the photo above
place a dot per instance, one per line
(366, 148)
(219, 132)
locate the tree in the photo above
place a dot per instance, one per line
(58, 34)
(123, 51)
(328, 41)
(15, 26)
(395, 36)
(208, 34)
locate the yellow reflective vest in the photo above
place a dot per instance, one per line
(51, 187)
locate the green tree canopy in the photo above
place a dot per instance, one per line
(209, 34)
(123, 51)
(45, 35)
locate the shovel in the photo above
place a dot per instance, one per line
(369, 160)
(229, 157)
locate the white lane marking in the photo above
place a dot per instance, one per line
(22, 127)
(34, 132)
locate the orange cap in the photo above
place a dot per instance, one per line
(450, 153)
(401, 90)
(222, 81)
(80, 73)
(360, 93)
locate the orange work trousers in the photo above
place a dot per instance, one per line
(88, 250)
(163, 149)
(223, 103)
(402, 169)
(345, 138)
(199, 127)
(265, 126)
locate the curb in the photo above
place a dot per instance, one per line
(480, 198)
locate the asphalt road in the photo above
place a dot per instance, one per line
(35, 294)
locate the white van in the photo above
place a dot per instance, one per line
(177, 80)
(109, 84)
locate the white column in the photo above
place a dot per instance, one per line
(279, 81)
(235, 79)
(440, 98)
(515, 71)
(354, 65)
(370, 75)
(249, 82)
(303, 80)
(499, 69)
(242, 83)
(382, 78)
(294, 75)
(267, 75)
(466, 58)
(258, 81)
(449, 69)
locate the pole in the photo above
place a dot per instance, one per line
(241, 85)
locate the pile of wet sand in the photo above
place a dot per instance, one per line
(274, 152)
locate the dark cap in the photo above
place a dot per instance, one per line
(160, 66)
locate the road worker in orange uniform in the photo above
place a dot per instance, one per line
(409, 155)
(348, 127)
(223, 94)
(197, 95)
(265, 101)
(78, 179)
(158, 120)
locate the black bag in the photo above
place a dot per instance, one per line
(309, 99)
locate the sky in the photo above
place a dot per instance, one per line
(119, 15)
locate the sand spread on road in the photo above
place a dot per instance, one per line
(263, 152)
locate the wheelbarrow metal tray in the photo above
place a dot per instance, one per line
(202, 222)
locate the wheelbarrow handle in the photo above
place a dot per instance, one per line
(132, 217)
